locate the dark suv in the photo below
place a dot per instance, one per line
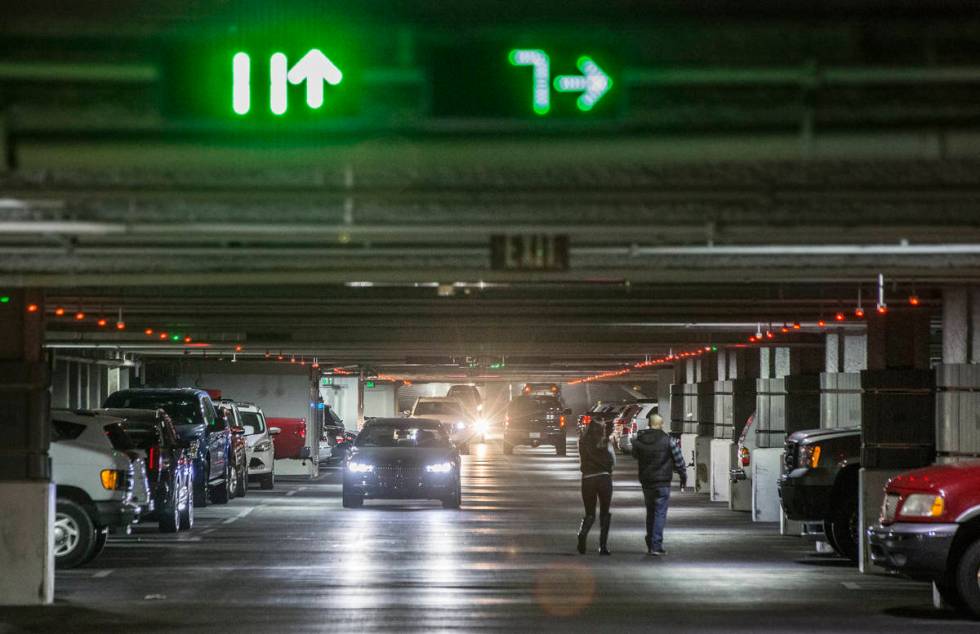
(820, 483)
(208, 434)
(535, 420)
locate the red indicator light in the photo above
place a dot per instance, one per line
(102, 322)
(120, 325)
(882, 310)
(769, 335)
(839, 317)
(163, 335)
(797, 326)
(914, 300)
(79, 316)
(821, 323)
(148, 331)
(238, 348)
(32, 308)
(187, 340)
(784, 330)
(752, 339)
(59, 311)
(859, 313)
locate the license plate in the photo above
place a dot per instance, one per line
(534, 434)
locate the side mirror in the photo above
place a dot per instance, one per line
(238, 430)
(305, 453)
(274, 431)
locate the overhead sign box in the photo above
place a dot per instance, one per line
(529, 252)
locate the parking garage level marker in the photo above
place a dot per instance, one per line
(241, 91)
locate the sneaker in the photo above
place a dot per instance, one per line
(659, 552)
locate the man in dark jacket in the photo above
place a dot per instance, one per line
(659, 457)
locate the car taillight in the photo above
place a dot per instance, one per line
(340, 439)
(151, 459)
(302, 431)
(561, 421)
(633, 427)
(745, 456)
(586, 419)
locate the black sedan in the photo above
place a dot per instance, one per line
(169, 465)
(403, 458)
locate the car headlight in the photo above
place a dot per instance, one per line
(923, 505)
(809, 456)
(460, 425)
(481, 426)
(441, 467)
(360, 467)
(479, 407)
(265, 445)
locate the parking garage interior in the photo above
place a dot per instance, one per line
(762, 218)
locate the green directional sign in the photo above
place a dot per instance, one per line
(591, 84)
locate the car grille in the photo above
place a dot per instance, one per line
(790, 456)
(890, 507)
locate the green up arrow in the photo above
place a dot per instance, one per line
(593, 83)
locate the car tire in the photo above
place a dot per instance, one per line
(455, 499)
(221, 493)
(828, 531)
(242, 488)
(187, 515)
(101, 537)
(352, 500)
(75, 534)
(508, 448)
(844, 527)
(267, 481)
(966, 575)
(948, 592)
(170, 513)
(201, 487)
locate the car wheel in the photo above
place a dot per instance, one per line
(844, 527)
(101, 537)
(968, 578)
(243, 482)
(828, 531)
(455, 499)
(74, 535)
(508, 448)
(221, 493)
(948, 592)
(352, 500)
(170, 513)
(267, 481)
(187, 514)
(201, 486)
(232, 479)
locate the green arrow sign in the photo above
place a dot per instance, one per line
(593, 83)
(314, 69)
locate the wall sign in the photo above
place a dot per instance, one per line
(529, 253)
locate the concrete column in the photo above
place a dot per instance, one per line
(59, 384)
(26, 493)
(898, 423)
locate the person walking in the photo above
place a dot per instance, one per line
(659, 457)
(596, 463)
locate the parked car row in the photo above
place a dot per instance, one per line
(152, 455)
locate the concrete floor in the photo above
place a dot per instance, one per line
(292, 560)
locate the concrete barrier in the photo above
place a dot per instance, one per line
(721, 464)
(766, 467)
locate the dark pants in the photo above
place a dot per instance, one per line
(597, 487)
(656, 500)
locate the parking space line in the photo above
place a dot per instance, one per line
(102, 574)
(232, 520)
(294, 491)
(850, 585)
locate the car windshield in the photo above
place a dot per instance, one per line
(528, 404)
(438, 408)
(402, 435)
(120, 440)
(182, 409)
(253, 423)
(468, 395)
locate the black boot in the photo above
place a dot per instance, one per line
(583, 532)
(646, 539)
(604, 521)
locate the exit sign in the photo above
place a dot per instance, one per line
(534, 252)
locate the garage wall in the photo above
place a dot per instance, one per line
(341, 394)
(280, 394)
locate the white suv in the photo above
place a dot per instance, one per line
(99, 488)
(448, 411)
(260, 448)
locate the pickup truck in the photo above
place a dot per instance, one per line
(95, 486)
(535, 421)
(929, 530)
(819, 484)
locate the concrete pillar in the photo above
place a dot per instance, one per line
(59, 384)
(898, 424)
(26, 492)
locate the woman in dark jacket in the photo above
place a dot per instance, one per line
(597, 460)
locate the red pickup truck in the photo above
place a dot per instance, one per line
(292, 436)
(930, 530)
